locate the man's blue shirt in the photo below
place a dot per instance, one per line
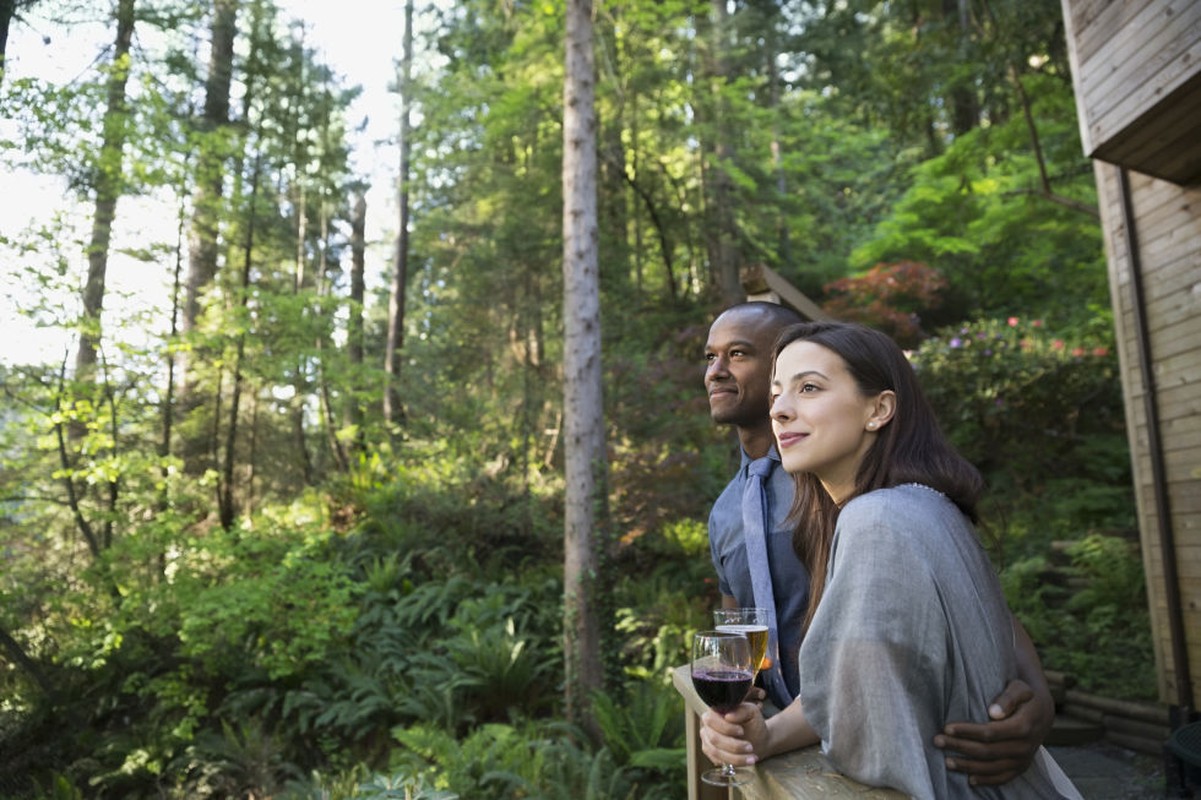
(790, 580)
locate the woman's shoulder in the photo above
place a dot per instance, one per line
(885, 532)
(896, 514)
(901, 501)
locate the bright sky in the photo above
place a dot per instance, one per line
(359, 39)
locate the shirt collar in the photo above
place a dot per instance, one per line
(746, 459)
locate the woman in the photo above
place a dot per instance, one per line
(907, 626)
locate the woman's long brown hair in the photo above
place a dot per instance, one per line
(910, 448)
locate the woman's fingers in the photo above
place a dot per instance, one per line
(721, 738)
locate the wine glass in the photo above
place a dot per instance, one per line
(722, 673)
(751, 623)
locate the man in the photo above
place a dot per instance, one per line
(737, 379)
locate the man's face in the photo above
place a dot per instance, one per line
(738, 368)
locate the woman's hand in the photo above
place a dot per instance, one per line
(736, 737)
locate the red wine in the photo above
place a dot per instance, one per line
(722, 689)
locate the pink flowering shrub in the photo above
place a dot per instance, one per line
(1040, 413)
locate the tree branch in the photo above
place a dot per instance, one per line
(1036, 144)
(660, 228)
(69, 481)
(18, 656)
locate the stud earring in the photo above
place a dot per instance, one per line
(871, 426)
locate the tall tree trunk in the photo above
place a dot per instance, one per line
(108, 189)
(584, 441)
(783, 240)
(8, 11)
(614, 202)
(965, 106)
(721, 237)
(299, 382)
(353, 416)
(393, 409)
(329, 422)
(164, 449)
(226, 505)
(632, 197)
(198, 449)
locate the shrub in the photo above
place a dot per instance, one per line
(1100, 632)
(1041, 415)
(542, 761)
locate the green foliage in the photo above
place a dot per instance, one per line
(1089, 619)
(1005, 244)
(1041, 415)
(61, 788)
(406, 578)
(382, 787)
(237, 762)
(438, 511)
(500, 761)
(644, 728)
(278, 609)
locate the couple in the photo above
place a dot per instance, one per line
(908, 646)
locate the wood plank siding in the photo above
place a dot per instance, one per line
(1136, 69)
(1167, 226)
(1138, 87)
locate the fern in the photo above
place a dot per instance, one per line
(646, 728)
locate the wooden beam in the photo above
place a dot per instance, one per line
(761, 282)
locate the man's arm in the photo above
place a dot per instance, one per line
(997, 752)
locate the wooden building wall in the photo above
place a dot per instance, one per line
(1167, 234)
(1138, 86)
(1136, 69)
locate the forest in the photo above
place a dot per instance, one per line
(305, 524)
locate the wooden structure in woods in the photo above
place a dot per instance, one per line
(761, 282)
(1136, 67)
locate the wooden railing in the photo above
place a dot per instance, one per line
(792, 776)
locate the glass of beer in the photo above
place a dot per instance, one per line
(751, 623)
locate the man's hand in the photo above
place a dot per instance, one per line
(996, 752)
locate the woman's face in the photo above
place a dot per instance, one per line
(822, 422)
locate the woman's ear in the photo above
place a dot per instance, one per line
(882, 410)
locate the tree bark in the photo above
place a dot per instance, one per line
(198, 449)
(8, 10)
(584, 441)
(393, 408)
(965, 106)
(353, 415)
(8, 13)
(226, 506)
(783, 239)
(172, 361)
(721, 237)
(108, 189)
